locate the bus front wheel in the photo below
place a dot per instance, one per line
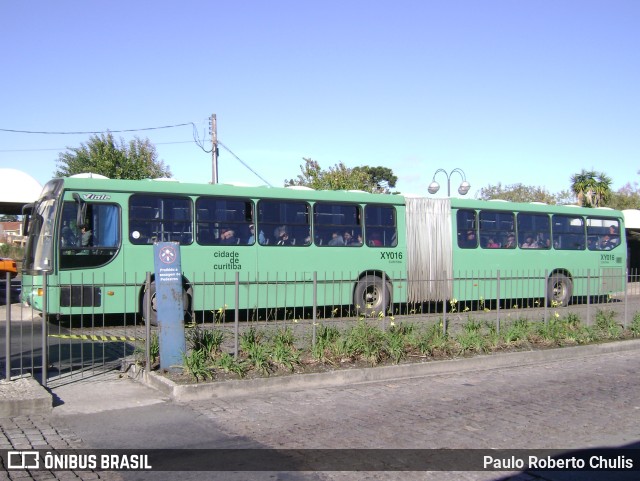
(187, 296)
(369, 296)
(559, 290)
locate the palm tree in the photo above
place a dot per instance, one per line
(602, 189)
(592, 189)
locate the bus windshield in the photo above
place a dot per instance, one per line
(39, 251)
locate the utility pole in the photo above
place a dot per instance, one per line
(214, 149)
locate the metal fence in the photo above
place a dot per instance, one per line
(59, 349)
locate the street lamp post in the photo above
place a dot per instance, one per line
(464, 185)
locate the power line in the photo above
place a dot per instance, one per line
(64, 148)
(196, 140)
(242, 162)
(44, 132)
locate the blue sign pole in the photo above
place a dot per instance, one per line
(169, 304)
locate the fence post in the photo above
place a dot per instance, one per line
(588, 297)
(444, 306)
(45, 330)
(625, 322)
(315, 307)
(8, 329)
(545, 295)
(237, 316)
(384, 300)
(147, 324)
(498, 301)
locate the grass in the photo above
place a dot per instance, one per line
(262, 353)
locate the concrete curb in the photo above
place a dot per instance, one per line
(24, 397)
(244, 387)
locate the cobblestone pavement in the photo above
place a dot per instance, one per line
(40, 432)
(571, 404)
(574, 404)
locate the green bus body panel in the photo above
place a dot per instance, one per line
(284, 274)
(277, 276)
(592, 272)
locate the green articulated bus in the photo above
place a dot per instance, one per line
(94, 240)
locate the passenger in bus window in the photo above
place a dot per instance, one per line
(374, 239)
(350, 240)
(605, 243)
(468, 240)
(543, 241)
(492, 244)
(529, 243)
(336, 240)
(86, 238)
(252, 235)
(614, 238)
(281, 235)
(510, 243)
(228, 237)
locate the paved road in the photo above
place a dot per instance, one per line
(572, 404)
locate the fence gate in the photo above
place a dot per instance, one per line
(75, 347)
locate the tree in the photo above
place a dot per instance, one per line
(102, 155)
(523, 193)
(382, 177)
(340, 177)
(591, 188)
(627, 197)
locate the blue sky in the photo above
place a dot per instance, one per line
(509, 91)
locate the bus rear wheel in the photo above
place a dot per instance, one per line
(559, 290)
(369, 296)
(187, 298)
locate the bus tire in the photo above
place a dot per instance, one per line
(187, 302)
(559, 290)
(368, 295)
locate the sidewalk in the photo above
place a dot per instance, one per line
(19, 313)
(41, 430)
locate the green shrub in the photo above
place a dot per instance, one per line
(396, 342)
(470, 342)
(606, 324)
(517, 331)
(206, 340)
(284, 354)
(635, 325)
(227, 363)
(431, 341)
(196, 364)
(367, 342)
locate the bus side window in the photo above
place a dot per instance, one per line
(602, 233)
(96, 243)
(336, 223)
(284, 222)
(466, 227)
(568, 232)
(162, 218)
(181, 228)
(380, 226)
(215, 215)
